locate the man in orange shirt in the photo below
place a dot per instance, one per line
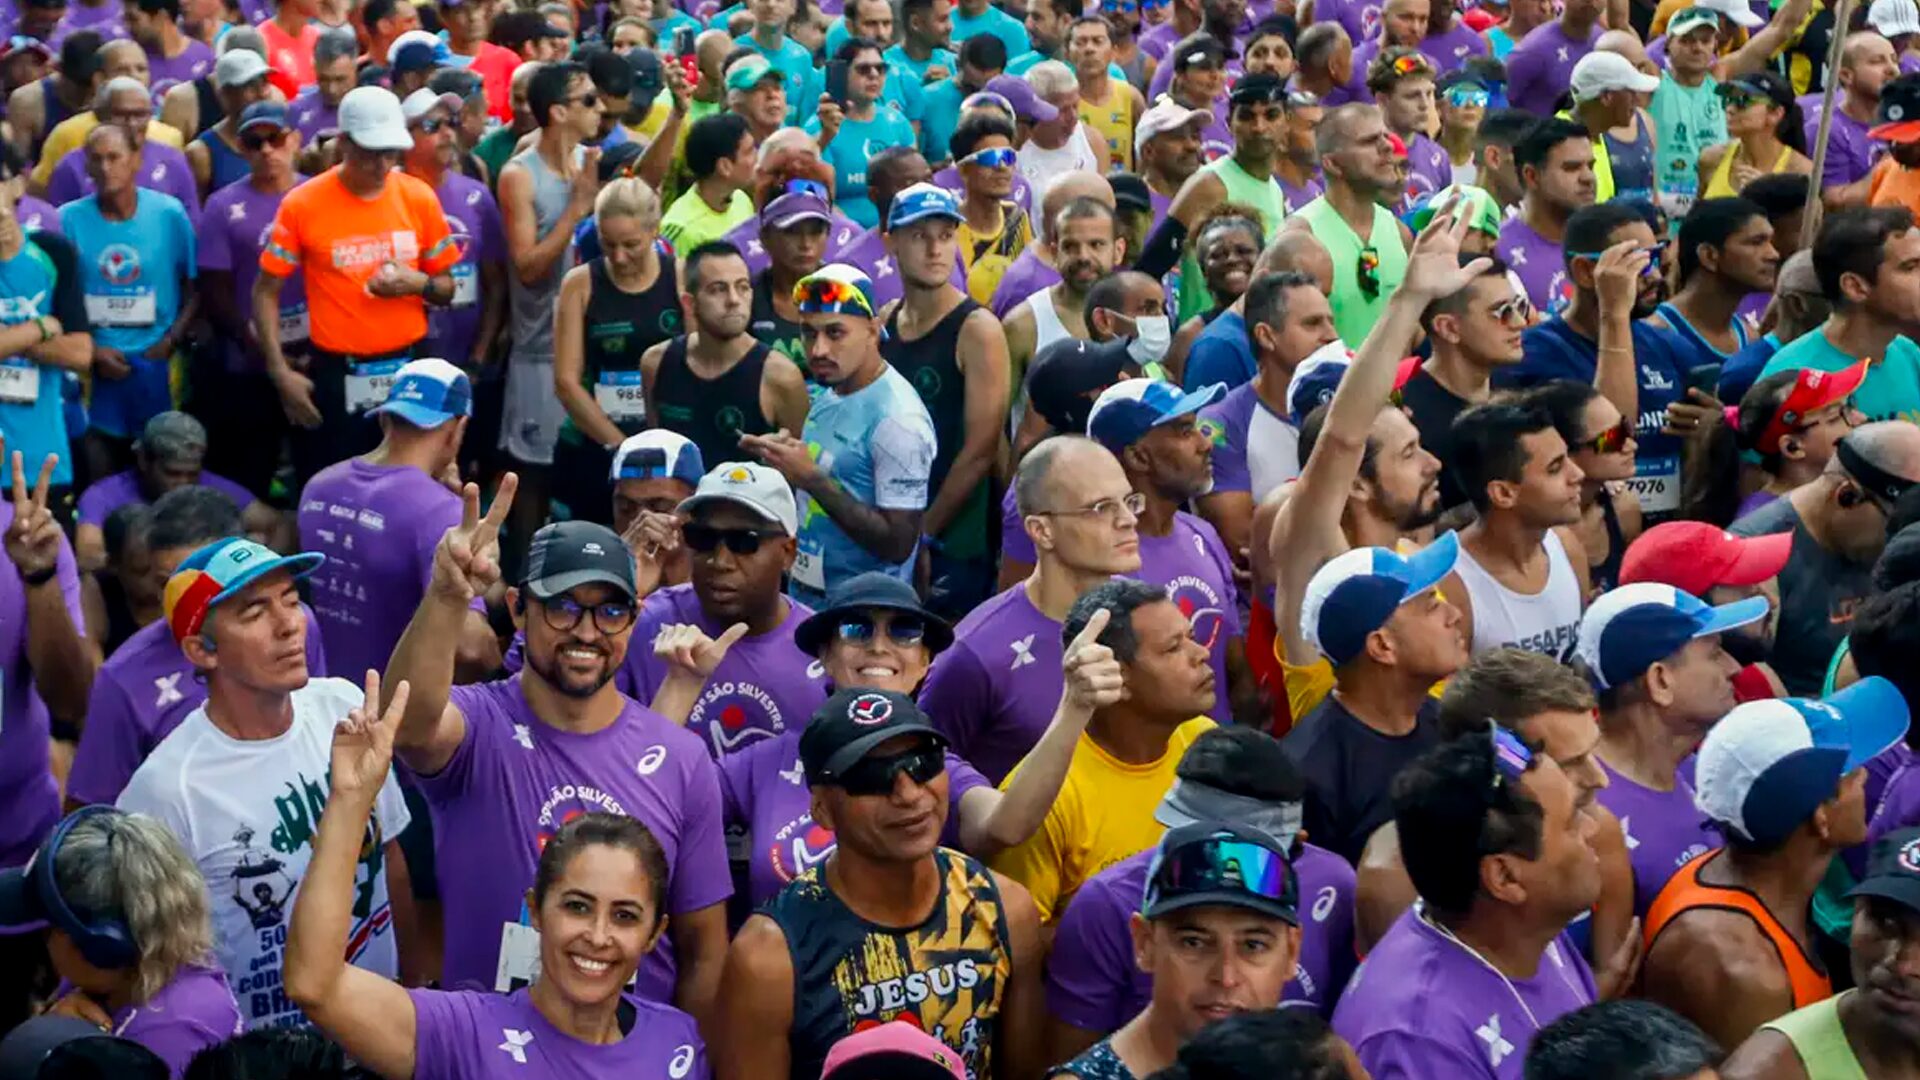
(374, 248)
(1895, 181)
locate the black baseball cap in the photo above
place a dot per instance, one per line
(621, 160)
(865, 592)
(648, 77)
(1068, 374)
(569, 554)
(1200, 48)
(56, 1045)
(1130, 191)
(1217, 864)
(1893, 869)
(850, 724)
(1256, 88)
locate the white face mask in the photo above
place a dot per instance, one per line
(1152, 337)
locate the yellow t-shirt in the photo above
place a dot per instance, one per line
(1103, 814)
(71, 134)
(1113, 122)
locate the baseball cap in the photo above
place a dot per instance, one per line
(835, 288)
(1899, 111)
(569, 554)
(1474, 201)
(459, 82)
(1315, 380)
(920, 202)
(1691, 19)
(1127, 410)
(424, 101)
(986, 99)
(172, 436)
(794, 207)
(1600, 72)
(1215, 864)
(865, 592)
(658, 454)
(1767, 764)
(748, 72)
(1893, 869)
(1693, 556)
(1634, 627)
(649, 78)
(1166, 115)
(1067, 374)
(895, 1050)
(1257, 87)
(216, 572)
(427, 393)
(371, 117)
(1894, 18)
(238, 67)
(1812, 391)
(264, 114)
(1199, 48)
(850, 724)
(620, 161)
(1130, 192)
(1357, 592)
(418, 50)
(69, 1046)
(1736, 10)
(745, 483)
(20, 43)
(1027, 105)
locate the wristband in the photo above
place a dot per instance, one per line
(34, 581)
(46, 331)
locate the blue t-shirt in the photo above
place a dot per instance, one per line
(851, 149)
(901, 92)
(1892, 387)
(130, 270)
(991, 21)
(795, 65)
(1743, 370)
(42, 279)
(1221, 354)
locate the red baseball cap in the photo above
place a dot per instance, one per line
(1693, 556)
(1812, 391)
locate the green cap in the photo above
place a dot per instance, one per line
(1478, 202)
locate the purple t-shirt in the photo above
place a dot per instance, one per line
(377, 525)
(994, 690)
(1431, 1008)
(461, 1035)
(1429, 169)
(1361, 18)
(1753, 502)
(1163, 77)
(1254, 448)
(1664, 830)
(1355, 88)
(1157, 41)
(1298, 197)
(1026, 274)
(309, 114)
(1851, 155)
(34, 213)
(474, 220)
(194, 61)
(105, 496)
(1093, 983)
(1454, 46)
(235, 226)
(869, 252)
(162, 169)
(143, 691)
(29, 799)
(770, 810)
(1899, 803)
(763, 687)
(1538, 262)
(516, 779)
(1540, 66)
(193, 1011)
(841, 233)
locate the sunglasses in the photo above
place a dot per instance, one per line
(1411, 64)
(798, 186)
(1124, 7)
(611, 617)
(707, 539)
(1368, 272)
(431, 125)
(1612, 440)
(587, 101)
(260, 142)
(1518, 310)
(828, 295)
(875, 775)
(1153, 5)
(1222, 864)
(869, 70)
(1654, 255)
(995, 157)
(1511, 757)
(899, 627)
(1463, 99)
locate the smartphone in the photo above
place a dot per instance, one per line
(837, 73)
(1705, 378)
(683, 50)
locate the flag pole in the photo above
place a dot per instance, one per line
(1810, 226)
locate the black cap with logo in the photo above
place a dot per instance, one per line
(569, 554)
(850, 724)
(1893, 869)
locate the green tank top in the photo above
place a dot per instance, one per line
(1821, 1042)
(1356, 309)
(1243, 189)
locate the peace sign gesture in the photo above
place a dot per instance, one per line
(467, 561)
(363, 741)
(33, 540)
(1433, 263)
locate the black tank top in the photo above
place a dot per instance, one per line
(211, 111)
(620, 326)
(932, 364)
(948, 976)
(767, 324)
(713, 413)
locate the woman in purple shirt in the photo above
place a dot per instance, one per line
(598, 899)
(129, 932)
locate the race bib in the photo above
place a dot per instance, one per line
(466, 285)
(1656, 481)
(621, 395)
(135, 310)
(293, 324)
(19, 381)
(368, 383)
(809, 570)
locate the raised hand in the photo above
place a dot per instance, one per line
(363, 741)
(688, 649)
(1092, 674)
(586, 182)
(1433, 263)
(1616, 276)
(467, 561)
(786, 455)
(654, 539)
(33, 539)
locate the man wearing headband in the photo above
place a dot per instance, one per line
(862, 462)
(1839, 524)
(1218, 930)
(1794, 420)
(1229, 774)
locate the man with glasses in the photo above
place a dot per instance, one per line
(1555, 164)
(124, 102)
(504, 763)
(1367, 244)
(1472, 333)
(464, 331)
(1793, 420)
(863, 459)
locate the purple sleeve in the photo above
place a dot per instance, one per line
(68, 572)
(1223, 565)
(1015, 544)
(216, 252)
(1090, 978)
(97, 502)
(476, 703)
(445, 1028)
(1400, 1055)
(110, 745)
(962, 777)
(180, 185)
(64, 185)
(516, 657)
(701, 876)
(241, 497)
(1230, 471)
(1003, 301)
(316, 648)
(958, 697)
(490, 245)
(1523, 70)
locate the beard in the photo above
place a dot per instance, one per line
(548, 669)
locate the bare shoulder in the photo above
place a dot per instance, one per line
(1768, 1055)
(1705, 951)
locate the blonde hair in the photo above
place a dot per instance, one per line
(628, 196)
(133, 865)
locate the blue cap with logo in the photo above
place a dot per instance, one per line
(1634, 627)
(923, 201)
(1124, 412)
(1315, 380)
(658, 454)
(427, 393)
(1356, 593)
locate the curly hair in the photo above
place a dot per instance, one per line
(132, 866)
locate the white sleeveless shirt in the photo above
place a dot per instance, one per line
(1545, 622)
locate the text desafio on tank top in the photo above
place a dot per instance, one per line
(1544, 622)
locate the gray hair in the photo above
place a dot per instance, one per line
(119, 84)
(1051, 77)
(783, 139)
(244, 37)
(132, 866)
(334, 45)
(1121, 597)
(172, 436)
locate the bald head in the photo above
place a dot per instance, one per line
(1863, 46)
(1300, 251)
(1892, 446)
(1622, 43)
(1069, 186)
(1046, 479)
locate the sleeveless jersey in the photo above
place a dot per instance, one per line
(1266, 196)
(1544, 622)
(1355, 309)
(1686, 892)
(931, 363)
(1819, 1041)
(620, 326)
(55, 111)
(226, 165)
(1113, 123)
(713, 413)
(947, 976)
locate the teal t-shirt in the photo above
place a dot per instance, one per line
(1686, 120)
(850, 151)
(901, 92)
(1892, 387)
(664, 28)
(991, 21)
(32, 417)
(897, 56)
(795, 65)
(939, 116)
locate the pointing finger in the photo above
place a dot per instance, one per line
(469, 507)
(19, 484)
(502, 502)
(373, 691)
(1088, 633)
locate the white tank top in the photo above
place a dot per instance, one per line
(1047, 327)
(1544, 622)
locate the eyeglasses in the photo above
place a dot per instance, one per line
(706, 539)
(994, 157)
(1517, 311)
(900, 627)
(431, 125)
(1133, 503)
(256, 143)
(1368, 272)
(611, 617)
(1466, 99)
(1223, 864)
(875, 775)
(588, 100)
(1611, 440)
(827, 295)
(869, 70)
(1654, 255)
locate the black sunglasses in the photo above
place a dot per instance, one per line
(706, 539)
(901, 627)
(1367, 272)
(875, 775)
(261, 142)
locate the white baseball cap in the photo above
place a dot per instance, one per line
(1599, 72)
(1735, 10)
(1165, 115)
(657, 454)
(752, 485)
(1894, 18)
(423, 101)
(372, 118)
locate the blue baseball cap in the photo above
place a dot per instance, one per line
(1315, 380)
(418, 50)
(920, 202)
(266, 114)
(428, 393)
(216, 572)
(1636, 626)
(658, 454)
(1124, 412)
(1356, 593)
(1767, 765)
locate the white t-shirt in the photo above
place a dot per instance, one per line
(1039, 166)
(247, 812)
